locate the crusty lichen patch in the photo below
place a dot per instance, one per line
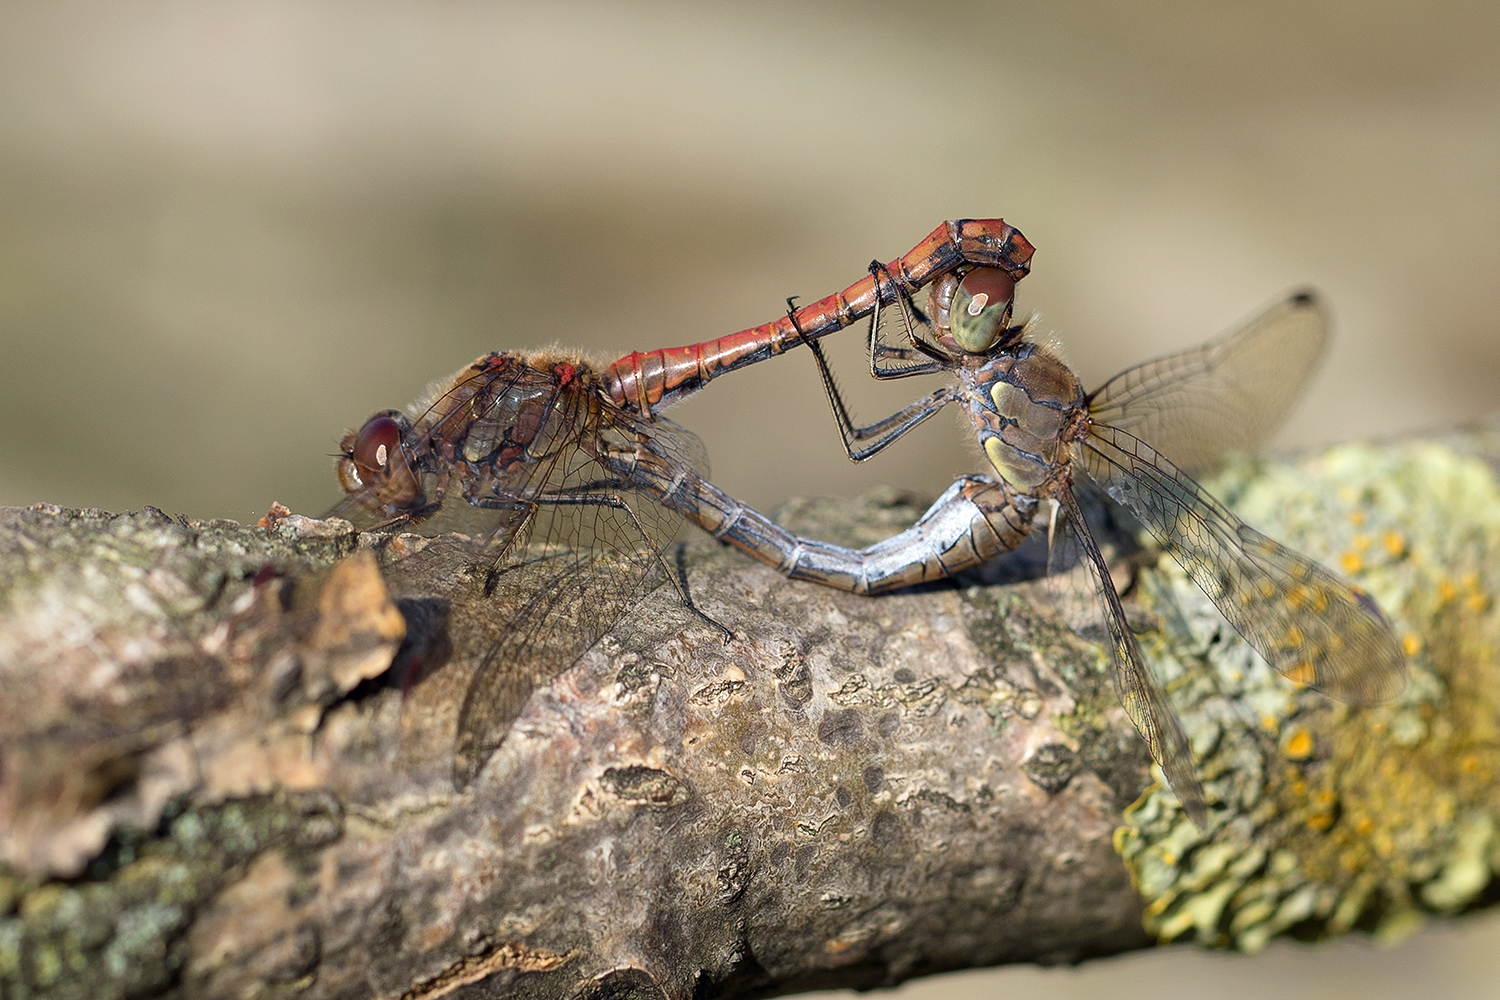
(123, 931)
(1380, 815)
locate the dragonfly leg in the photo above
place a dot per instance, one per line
(861, 443)
(680, 581)
(936, 362)
(405, 517)
(883, 432)
(596, 495)
(526, 511)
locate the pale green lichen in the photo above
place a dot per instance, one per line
(124, 933)
(1330, 817)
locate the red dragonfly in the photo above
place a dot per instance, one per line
(651, 381)
(1046, 438)
(555, 500)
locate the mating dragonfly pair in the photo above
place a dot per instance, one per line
(564, 482)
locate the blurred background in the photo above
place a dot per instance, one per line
(228, 232)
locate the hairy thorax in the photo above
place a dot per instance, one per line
(1028, 408)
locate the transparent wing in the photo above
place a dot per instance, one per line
(1309, 624)
(1138, 690)
(547, 531)
(1228, 394)
(592, 551)
(1070, 579)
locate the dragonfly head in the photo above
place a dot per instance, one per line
(374, 464)
(980, 311)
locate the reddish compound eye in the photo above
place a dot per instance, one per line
(375, 464)
(378, 447)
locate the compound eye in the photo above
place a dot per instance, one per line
(376, 464)
(981, 308)
(378, 447)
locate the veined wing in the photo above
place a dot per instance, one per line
(1309, 624)
(592, 551)
(545, 534)
(1228, 394)
(1137, 689)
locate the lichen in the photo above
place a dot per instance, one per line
(1378, 816)
(124, 934)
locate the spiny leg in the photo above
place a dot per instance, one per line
(936, 359)
(883, 432)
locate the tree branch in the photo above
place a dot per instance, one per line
(213, 780)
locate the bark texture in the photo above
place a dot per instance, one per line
(225, 760)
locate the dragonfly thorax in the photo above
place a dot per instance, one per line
(476, 438)
(1026, 406)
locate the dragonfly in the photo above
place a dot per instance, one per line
(1047, 441)
(550, 496)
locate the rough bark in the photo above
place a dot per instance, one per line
(215, 781)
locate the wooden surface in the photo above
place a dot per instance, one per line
(211, 782)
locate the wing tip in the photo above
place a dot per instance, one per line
(469, 758)
(1196, 809)
(1307, 302)
(1375, 686)
(1184, 784)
